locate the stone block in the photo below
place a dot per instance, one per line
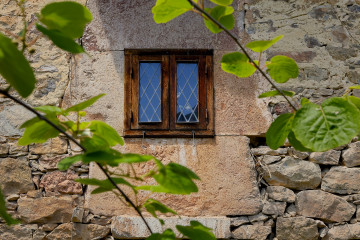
(296, 228)
(293, 173)
(252, 232)
(343, 232)
(46, 209)
(265, 150)
(330, 157)
(16, 232)
(274, 208)
(128, 227)
(62, 182)
(50, 162)
(12, 116)
(221, 163)
(15, 176)
(4, 149)
(52, 146)
(280, 193)
(320, 204)
(351, 156)
(341, 180)
(238, 221)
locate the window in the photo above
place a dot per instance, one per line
(169, 93)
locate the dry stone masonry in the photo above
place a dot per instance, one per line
(248, 191)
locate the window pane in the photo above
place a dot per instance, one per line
(150, 92)
(187, 93)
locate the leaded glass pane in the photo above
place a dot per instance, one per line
(187, 93)
(150, 92)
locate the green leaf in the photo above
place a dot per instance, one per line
(222, 2)
(49, 110)
(103, 185)
(223, 15)
(30, 122)
(166, 10)
(105, 131)
(324, 127)
(173, 178)
(276, 93)
(39, 132)
(262, 45)
(95, 143)
(114, 158)
(354, 100)
(196, 231)
(279, 130)
(304, 101)
(68, 18)
(296, 144)
(355, 87)
(282, 68)
(153, 206)
(61, 40)
(3, 214)
(67, 162)
(14, 68)
(168, 234)
(81, 106)
(237, 64)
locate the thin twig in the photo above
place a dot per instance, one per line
(242, 48)
(42, 117)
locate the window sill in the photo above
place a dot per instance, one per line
(169, 134)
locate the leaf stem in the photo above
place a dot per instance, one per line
(242, 49)
(42, 117)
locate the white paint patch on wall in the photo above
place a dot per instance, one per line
(182, 152)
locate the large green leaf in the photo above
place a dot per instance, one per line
(14, 68)
(237, 64)
(65, 163)
(355, 87)
(94, 143)
(39, 132)
(166, 10)
(282, 68)
(354, 100)
(262, 45)
(196, 231)
(168, 234)
(276, 93)
(222, 2)
(296, 144)
(3, 214)
(279, 130)
(81, 106)
(153, 206)
(61, 40)
(106, 132)
(173, 178)
(223, 15)
(114, 158)
(52, 110)
(324, 127)
(68, 18)
(30, 122)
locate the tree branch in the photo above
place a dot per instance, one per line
(242, 49)
(42, 117)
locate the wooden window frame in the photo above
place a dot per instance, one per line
(169, 127)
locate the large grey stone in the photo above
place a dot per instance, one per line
(342, 180)
(46, 209)
(351, 156)
(15, 176)
(255, 232)
(16, 232)
(61, 182)
(64, 231)
(52, 146)
(280, 193)
(274, 208)
(344, 232)
(127, 227)
(296, 228)
(293, 173)
(323, 205)
(330, 157)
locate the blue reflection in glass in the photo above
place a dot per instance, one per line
(187, 93)
(150, 92)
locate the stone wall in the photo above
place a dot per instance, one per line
(247, 190)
